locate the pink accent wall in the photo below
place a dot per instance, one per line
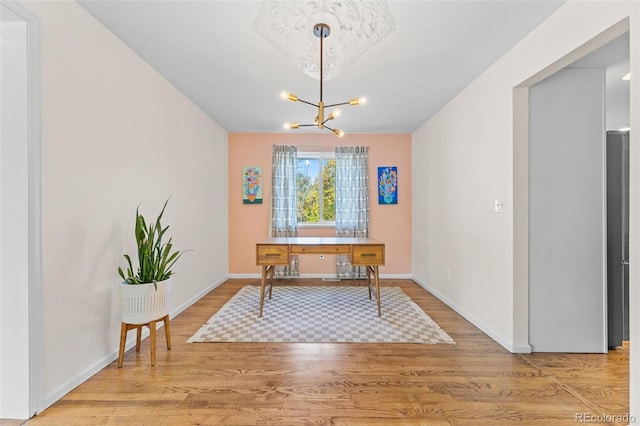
(249, 224)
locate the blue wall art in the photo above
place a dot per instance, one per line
(388, 185)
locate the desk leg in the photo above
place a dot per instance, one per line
(369, 272)
(262, 288)
(377, 278)
(271, 273)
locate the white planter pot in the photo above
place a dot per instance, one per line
(142, 303)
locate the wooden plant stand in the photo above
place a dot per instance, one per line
(152, 329)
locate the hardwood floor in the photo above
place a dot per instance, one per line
(474, 382)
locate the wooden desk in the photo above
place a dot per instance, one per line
(278, 251)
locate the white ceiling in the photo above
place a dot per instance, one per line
(210, 52)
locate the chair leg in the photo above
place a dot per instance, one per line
(167, 331)
(123, 340)
(152, 330)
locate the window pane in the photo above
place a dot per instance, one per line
(307, 180)
(329, 190)
(316, 180)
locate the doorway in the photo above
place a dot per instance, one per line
(614, 58)
(521, 196)
(576, 226)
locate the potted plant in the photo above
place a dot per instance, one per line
(145, 292)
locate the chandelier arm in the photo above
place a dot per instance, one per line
(308, 103)
(341, 103)
(307, 125)
(327, 127)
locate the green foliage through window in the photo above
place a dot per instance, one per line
(316, 179)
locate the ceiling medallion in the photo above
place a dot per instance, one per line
(355, 26)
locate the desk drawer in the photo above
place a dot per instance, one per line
(272, 254)
(321, 249)
(368, 255)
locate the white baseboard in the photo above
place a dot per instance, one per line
(198, 296)
(396, 276)
(505, 343)
(382, 276)
(523, 348)
(109, 358)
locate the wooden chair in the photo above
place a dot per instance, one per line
(152, 329)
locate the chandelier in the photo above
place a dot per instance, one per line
(321, 31)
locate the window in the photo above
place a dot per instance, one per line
(316, 180)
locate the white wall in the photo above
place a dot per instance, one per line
(115, 134)
(567, 220)
(465, 155)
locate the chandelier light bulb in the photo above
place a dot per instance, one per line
(289, 126)
(362, 100)
(339, 133)
(286, 96)
(335, 113)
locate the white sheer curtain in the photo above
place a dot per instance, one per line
(352, 202)
(284, 201)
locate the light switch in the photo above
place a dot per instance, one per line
(499, 206)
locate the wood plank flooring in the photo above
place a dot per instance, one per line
(474, 382)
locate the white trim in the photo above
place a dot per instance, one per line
(505, 343)
(35, 302)
(382, 276)
(323, 155)
(315, 225)
(603, 194)
(397, 277)
(67, 387)
(198, 296)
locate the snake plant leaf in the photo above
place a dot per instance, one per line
(155, 257)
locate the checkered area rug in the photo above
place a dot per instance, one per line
(321, 314)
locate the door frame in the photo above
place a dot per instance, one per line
(33, 306)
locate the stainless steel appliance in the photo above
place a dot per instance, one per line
(618, 237)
